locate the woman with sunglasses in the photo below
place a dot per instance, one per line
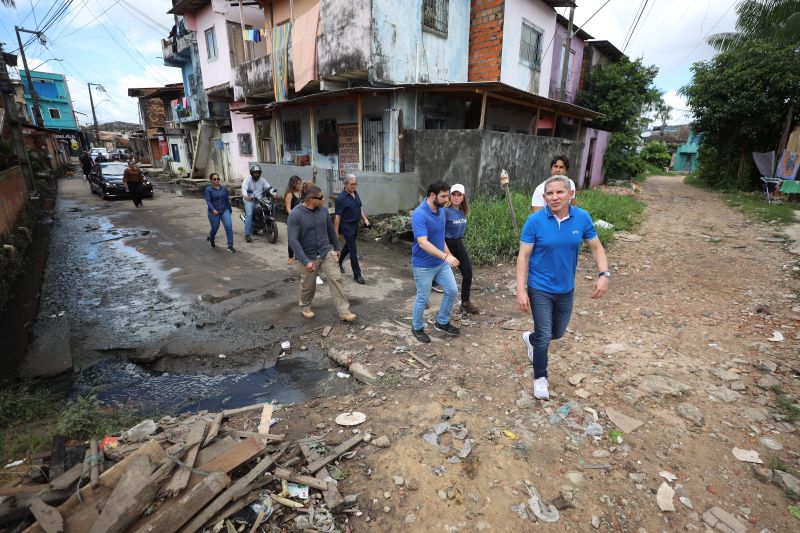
(219, 210)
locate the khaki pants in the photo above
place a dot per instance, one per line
(333, 277)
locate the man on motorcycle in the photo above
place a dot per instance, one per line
(252, 187)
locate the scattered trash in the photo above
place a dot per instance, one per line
(343, 375)
(286, 345)
(431, 438)
(669, 476)
(140, 431)
(222, 356)
(545, 513)
(326, 330)
(615, 436)
(686, 501)
(352, 418)
(561, 414)
(509, 434)
(777, 336)
(748, 456)
(15, 463)
(297, 490)
(624, 422)
(664, 497)
(600, 223)
(594, 430)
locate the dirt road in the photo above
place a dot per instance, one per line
(680, 343)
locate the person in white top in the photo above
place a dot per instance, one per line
(252, 187)
(558, 167)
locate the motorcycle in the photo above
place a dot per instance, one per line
(264, 216)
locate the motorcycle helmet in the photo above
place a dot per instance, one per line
(255, 168)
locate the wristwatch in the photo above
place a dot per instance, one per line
(605, 273)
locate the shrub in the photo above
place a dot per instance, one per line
(656, 152)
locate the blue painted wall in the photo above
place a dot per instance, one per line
(53, 94)
(686, 155)
(398, 39)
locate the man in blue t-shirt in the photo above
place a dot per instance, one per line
(546, 264)
(431, 261)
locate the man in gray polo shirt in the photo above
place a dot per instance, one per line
(316, 248)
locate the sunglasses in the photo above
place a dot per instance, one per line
(316, 197)
(214, 179)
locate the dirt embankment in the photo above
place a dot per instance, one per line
(681, 344)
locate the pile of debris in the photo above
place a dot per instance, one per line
(200, 472)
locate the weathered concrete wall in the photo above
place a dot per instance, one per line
(13, 195)
(252, 78)
(513, 72)
(402, 52)
(381, 193)
(344, 43)
(476, 157)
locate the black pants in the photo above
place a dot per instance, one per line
(459, 251)
(137, 192)
(350, 234)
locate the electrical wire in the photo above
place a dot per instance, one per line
(95, 18)
(703, 39)
(641, 25)
(145, 15)
(635, 24)
(74, 16)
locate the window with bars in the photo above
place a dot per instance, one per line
(291, 136)
(530, 46)
(434, 16)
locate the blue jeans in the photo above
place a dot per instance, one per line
(225, 218)
(350, 234)
(551, 313)
(248, 217)
(424, 278)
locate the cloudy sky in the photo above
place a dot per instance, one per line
(117, 43)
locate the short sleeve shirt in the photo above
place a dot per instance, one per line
(426, 223)
(537, 200)
(348, 207)
(554, 259)
(456, 223)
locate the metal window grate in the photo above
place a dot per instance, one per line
(530, 45)
(434, 15)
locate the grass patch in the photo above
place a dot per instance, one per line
(83, 418)
(338, 472)
(755, 207)
(776, 463)
(22, 403)
(491, 240)
(650, 170)
(390, 379)
(693, 179)
(785, 404)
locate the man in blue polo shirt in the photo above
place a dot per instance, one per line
(548, 257)
(431, 261)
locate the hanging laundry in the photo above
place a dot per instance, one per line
(280, 70)
(304, 48)
(256, 35)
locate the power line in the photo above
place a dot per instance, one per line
(635, 24)
(627, 32)
(702, 40)
(97, 17)
(145, 15)
(74, 16)
(593, 14)
(639, 27)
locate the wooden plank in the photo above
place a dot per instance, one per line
(237, 490)
(48, 517)
(360, 133)
(16, 507)
(333, 498)
(484, 99)
(266, 418)
(536, 126)
(315, 466)
(213, 429)
(176, 512)
(221, 446)
(24, 489)
(129, 498)
(555, 122)
(578, 132)
(288, 475)
(94, 463)
(420, 360)
(228, 412)
(58, 455)
(68, 478)
(80, 514)
(226, 462)
(248, 434)
(181, 477)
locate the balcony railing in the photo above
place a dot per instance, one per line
(184, 110)
(177, 50)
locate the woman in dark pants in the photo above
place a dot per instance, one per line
(456, 211)
(134, 180)
(291, 198)
(219, 210)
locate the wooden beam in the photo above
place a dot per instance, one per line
(276, 135)
(47, 517)
(132, 495)
(226, 462)
(483, 110)
(334, 454)
(555, 121)
(289, 475)
(360, 134)
(181, 477)
(518, 101)
(312, 119)
(578, 132)
(538, 115)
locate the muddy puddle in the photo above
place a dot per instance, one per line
(128, 386)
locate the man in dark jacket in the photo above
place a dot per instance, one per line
(349, 213)
(316, 248)
(86, 163)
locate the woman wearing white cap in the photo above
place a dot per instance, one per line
(456, 211)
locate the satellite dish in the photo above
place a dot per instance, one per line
(645, 134)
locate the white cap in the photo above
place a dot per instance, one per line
(457, 188)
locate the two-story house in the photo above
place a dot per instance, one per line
(55, 106)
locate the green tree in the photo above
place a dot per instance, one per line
(621, 91)
(656, 152)
(770, 21)
(739, 100)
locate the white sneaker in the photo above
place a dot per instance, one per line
(540, 389)
(319, 281)
(526, 337)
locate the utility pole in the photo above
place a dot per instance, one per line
(562, 93)
(14, 123)
(94, 114)
(37, 113)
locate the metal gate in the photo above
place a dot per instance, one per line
(335, 184)
(373, 144)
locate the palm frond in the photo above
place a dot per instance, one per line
(726, 41)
